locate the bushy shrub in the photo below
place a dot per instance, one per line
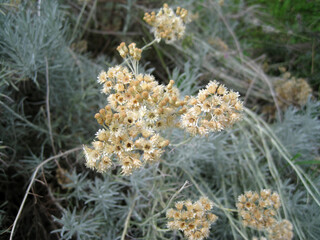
(249, 177)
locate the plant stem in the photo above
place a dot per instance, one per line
(22, 119)
(126, 225)
(31, 183)
(149, 44)
(169, 203)
(182, 143)
(48, 106)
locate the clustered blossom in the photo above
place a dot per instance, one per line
(194, 219)
(167, 24)
(133, 51)
(281, 231)
(138, 108)
(213, 109)
(259, 211)
(292, 91)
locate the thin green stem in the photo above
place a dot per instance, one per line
(169, 203)
(79, 18)
(277, 143)
(181, 143)
(129, 59)
(48, 106)
(23, 119)
(149, 44)
(126, 225)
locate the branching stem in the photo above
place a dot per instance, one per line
(33, 177)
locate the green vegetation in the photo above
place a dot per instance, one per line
(287, 32)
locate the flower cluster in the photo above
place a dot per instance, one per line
(281, 231)
(138, 108)
(168, 24)
(258, 210)
(213, 109)
(194, 219)
(133, 51)
(292, 90)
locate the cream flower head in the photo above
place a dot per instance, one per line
(167, 24)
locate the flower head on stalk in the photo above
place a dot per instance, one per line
(167, 24)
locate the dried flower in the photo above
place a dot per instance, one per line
(281, 231)
(138, 107)
(167, 24)
(219, 43)
(258, 210)
(214, 109)
(194, 219)
(292, 91)
(133, 51)
(62, 177)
